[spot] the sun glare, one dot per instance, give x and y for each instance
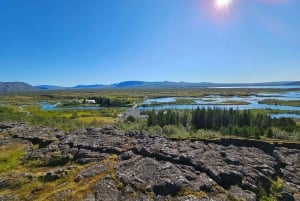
(222, 4)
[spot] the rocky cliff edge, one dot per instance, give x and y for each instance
(110, 164)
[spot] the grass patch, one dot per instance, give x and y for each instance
(138, 125)
(295, 103)
(10, 157)
(187, 192)
(68, 120)
(272, 193)
(63, 188)
(235, 102)
(70, 189)
(102, 120)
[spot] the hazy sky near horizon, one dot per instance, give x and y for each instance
(69, 42)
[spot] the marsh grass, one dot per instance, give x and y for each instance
(281, 102)
(66, 120)
(70, 120)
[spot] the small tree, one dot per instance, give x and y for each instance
(130, 118)
(270, 133)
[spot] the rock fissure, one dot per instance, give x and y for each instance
(153, 166)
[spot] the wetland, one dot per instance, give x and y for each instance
(58, 146)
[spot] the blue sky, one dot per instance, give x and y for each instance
(69, 42)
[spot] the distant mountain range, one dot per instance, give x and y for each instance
(294, 83)
(21, 86)
(15, 86)
(166, 84)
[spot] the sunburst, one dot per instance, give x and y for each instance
(222, 4)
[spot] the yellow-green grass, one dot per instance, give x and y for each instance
(187, 192)
(103, 120)
(35, 188)
(77, 190)
(66, 120)
(10, 156)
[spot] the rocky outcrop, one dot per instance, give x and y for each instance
(118, 165)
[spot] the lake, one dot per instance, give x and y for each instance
(210, 101)
(220, 102)
(261, 87)
(48, 107)
(285, 115)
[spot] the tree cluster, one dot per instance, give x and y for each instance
(110, 102)
(229, 122)
(168, 117)
(238, 121)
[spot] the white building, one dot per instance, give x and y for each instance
(90, 101)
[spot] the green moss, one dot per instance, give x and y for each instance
(272, 191)
(277, 187)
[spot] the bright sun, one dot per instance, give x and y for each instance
(222, 4)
